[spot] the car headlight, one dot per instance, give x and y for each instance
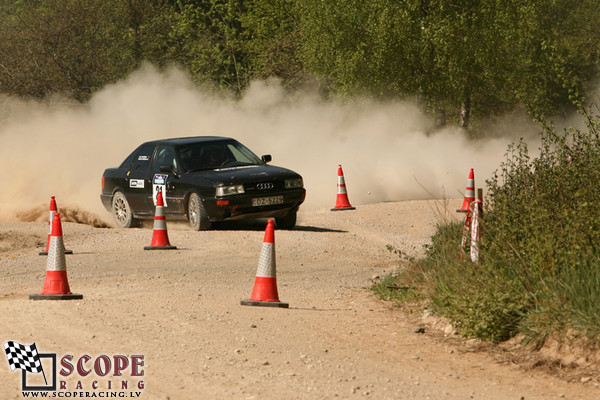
(294, 183)
(229, 190)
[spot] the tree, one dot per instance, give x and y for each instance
(71, 47)
(207, 38)
(554, 50)
(476, 57)
(272, 38)
(359, 46)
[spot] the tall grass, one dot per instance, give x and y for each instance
(539, 266)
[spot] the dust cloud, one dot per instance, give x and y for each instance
(388, 150)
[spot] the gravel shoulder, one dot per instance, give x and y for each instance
(181, 310)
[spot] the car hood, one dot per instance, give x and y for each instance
(246, 174)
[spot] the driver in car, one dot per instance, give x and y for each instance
(215, 157)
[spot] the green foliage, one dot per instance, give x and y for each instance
(70, 47)
(207, 38)
(272, 36)
(463, 61)
(539, 268)
(551, 247)
(480, 303)
(475, 58)
(360, 46)
(550, 51)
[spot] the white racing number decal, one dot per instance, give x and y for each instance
(136, 183)
(159, 184)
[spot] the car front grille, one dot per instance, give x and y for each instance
(263, 187)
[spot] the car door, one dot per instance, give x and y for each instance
(139, 177)
(166, 181)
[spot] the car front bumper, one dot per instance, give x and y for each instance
(241, 206)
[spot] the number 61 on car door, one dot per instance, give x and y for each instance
(159, 184)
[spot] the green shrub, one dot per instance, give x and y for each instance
(479, 302)
(539, 265)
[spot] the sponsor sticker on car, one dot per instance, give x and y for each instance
(267, 201)
(136, 183)
(159, 184)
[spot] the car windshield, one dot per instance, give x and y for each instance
(214, 155)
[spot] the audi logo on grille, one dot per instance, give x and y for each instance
(265, 186)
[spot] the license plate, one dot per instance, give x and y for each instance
(267, 201)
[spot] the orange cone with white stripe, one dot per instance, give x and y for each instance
(56, 284)
(53, 210)
(342, 202)
(264, 292)
(160, 237)
(469, 193)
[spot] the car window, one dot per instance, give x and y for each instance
(239, 156)
(243, 154)
(213, 155)
(165, 155)
(141, 162)
(127, 163)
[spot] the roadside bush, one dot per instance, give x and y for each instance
(539, 266)
(479, 302)
(543, 228)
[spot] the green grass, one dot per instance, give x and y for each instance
(394, 287)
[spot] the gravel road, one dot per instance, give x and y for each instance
(181, 310)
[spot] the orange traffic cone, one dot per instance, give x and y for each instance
(264, 292)
(53, 210)
(160, 237)
(342, 202)
(469, 193)
(56, 284)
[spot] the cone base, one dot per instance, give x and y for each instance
(160, 247)
(343, 208)
(70, 296)
(45, 253)
(278, 304)
(461, 210)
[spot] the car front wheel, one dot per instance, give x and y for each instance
(197, 214)
(122, 211)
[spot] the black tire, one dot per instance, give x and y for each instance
(121, 211)
(287, 222)
(197, 214)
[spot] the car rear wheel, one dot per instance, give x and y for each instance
(197, 214)
(287, 222)
(122, 211)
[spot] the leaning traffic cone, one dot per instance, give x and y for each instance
(264, 292)
(56, 284)
(342, 202)
(469, 193)
(160, 237)
(53, 210)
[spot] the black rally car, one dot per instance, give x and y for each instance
(203, 179)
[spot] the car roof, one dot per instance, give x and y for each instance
(187, 140)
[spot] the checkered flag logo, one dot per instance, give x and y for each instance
(23, 357)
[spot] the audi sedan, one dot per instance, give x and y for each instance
(203, 179)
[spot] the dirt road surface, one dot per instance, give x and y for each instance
(181, 310)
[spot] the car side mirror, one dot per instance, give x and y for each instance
(266, 158)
